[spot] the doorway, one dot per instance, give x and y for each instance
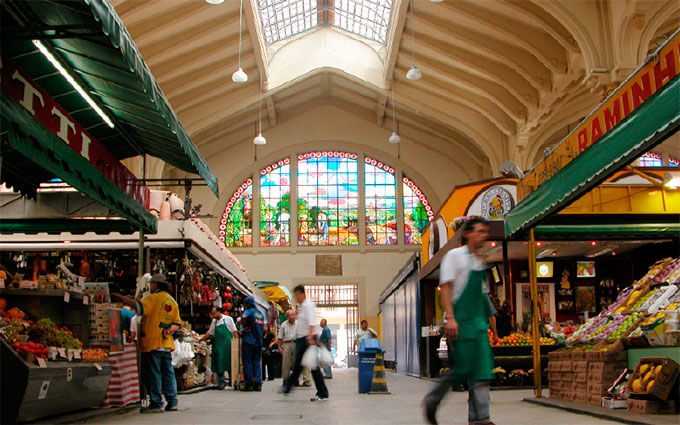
(339, 305)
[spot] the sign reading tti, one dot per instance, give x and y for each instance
(20, 87)
(646, 81)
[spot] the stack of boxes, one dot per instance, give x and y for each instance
(99, 324)
(602, 370)
(560, 375)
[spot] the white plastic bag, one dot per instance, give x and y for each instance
(310, 359)
(325, 357)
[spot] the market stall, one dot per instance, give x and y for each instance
(585, 158)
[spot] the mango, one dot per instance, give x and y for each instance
(657, 370)
(650, 384)
(637, 386)
(644, 368)
(649, 376)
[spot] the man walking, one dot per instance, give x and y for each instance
(222, 330)
(325, 340)
(253, 323)
(305, 338)
(468, 312)
(287, 344)
(160, 320)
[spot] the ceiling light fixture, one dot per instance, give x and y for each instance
(436, 1)
(394, 138)
(259, 139)
(547, 252)
(413, 73)
(239, 76)
(72, 81)
(672, 180)
(214, 1)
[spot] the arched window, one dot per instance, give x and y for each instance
(651, 159)
(275, 204)
(236, 226)
(328, 207)
(327, 187)
(381, 203)
(417, 212)
(673, 162)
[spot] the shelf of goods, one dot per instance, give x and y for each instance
(45, 370)
(191, 360)
(514, 352)
(594, 364)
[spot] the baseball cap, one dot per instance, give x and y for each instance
(250, 300)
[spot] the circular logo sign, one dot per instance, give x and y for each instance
(543, 270)
(496, 202)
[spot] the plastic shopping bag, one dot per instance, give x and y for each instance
(325, 357)
(310, 359)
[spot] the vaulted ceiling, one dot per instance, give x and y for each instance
(502, 80)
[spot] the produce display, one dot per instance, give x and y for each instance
(519, 339)
(38, 350)
(624, 326)
(94, 355)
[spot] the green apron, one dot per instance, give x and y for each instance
(473, 356)
(221, 350)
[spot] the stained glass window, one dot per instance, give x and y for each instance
(417, 212)
(381, 203)
(275, 204)
(236, 226)
(328, 198)
(672, 162)
(651, 159)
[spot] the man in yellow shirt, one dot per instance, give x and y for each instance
(160, 320)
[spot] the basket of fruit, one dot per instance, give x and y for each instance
(30, 350)
(653, 376)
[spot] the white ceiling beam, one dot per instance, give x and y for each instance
(399, 13)
(252, 19)
(271, 111)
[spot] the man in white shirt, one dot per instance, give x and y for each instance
(469, 315)
(222, 330)
(306, 336)
(363, 333)
(287, 343)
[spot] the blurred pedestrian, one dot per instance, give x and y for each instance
(161, 320)
(468, 312)
(222, 330)
(306, 336)
(251, 347)
(287, 344)
(325, 340)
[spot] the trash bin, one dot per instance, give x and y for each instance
(369, 348)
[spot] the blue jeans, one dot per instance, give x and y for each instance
(158, 374)
(478, 397)
(252, 364)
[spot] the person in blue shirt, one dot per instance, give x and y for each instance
(252, 322)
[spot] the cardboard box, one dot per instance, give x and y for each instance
(554, 376)
(597, 389)
(564, 385)
(603, 376)
(554, 394)
(606, 366)
(614, 403)
(553, 366)
(579, 377)
(594, 400)
(565, 376)
(579, 387)
(578, 356)
(567, 395)
(651, 407)
(663, 381)
(615, 353)
(579, 397)
(579, 366)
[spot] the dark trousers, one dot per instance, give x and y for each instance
(158, 375)
(267, 366)
(252, 369)
(321, 390)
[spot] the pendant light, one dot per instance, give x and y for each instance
(214, 1)
(413, 73)
(394, 138)
(239, 76)
(259, 139)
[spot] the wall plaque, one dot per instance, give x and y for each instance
(329, 265)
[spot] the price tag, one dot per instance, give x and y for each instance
(76, 354)
(67, 297)
(86, 300)
(96, 365)
(41, 362)
(62, 352)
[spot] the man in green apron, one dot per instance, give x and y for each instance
(222, 330)
(468, 311)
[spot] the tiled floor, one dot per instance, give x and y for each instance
(346, 406)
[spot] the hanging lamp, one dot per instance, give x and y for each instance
(413, 73)
(394, 138)
(214, 1)
(259, 139)
(239, 76)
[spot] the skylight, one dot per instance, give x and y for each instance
(285, 18)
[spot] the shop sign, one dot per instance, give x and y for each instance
(20, 87)
(496, 202)
(648, 79)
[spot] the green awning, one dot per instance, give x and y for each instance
(24, 138)
(90, 37)
(76, 226)
(607, 231)
(650, 124)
